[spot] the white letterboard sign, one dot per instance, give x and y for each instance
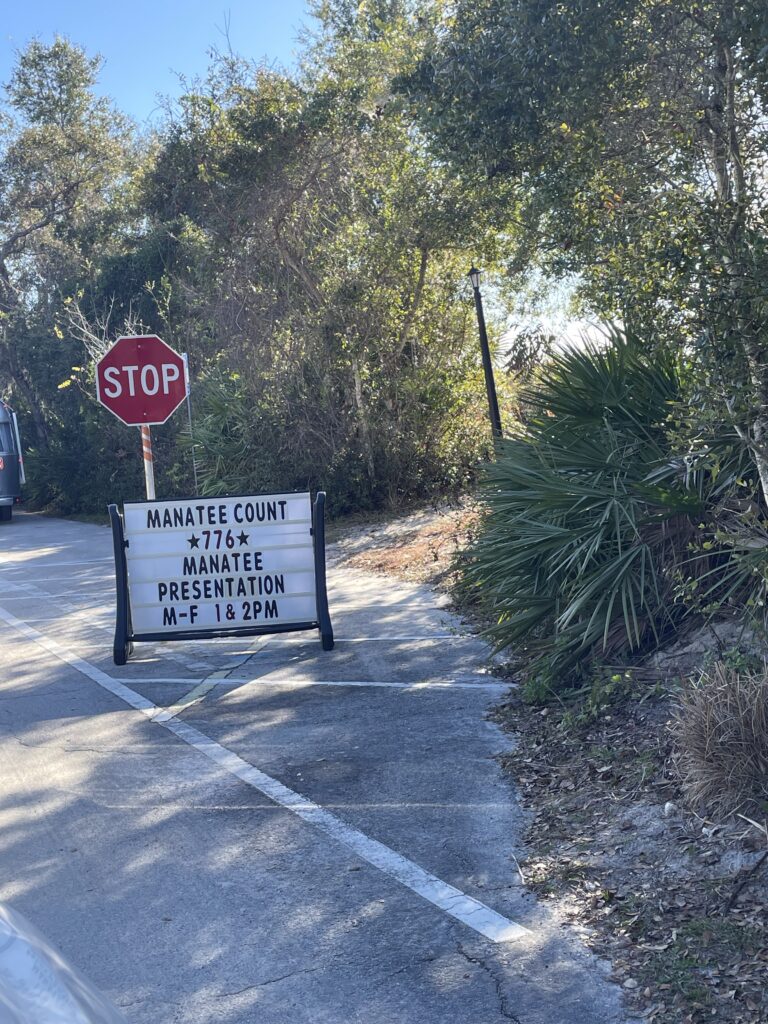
(220, 563)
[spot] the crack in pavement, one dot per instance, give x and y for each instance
(355, 965)
(267, 981)
(497, 983)
(410, 966)
(104, 751)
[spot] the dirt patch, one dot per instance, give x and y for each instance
(418, 548)
(675, 902)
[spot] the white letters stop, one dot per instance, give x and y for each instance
(150, 379)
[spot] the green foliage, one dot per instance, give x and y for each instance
(92, 459)
(314, 273)
(303, 237)
(728, 565)
(301, 438)
(632, 137)
(582, 542)
(64, 155)
(289, 232)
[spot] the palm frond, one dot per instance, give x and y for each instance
(583, 532)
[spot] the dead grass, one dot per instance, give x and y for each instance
(418, 548)
(721, 730)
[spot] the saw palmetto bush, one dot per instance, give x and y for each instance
(589, 519)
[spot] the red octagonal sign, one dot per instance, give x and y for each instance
(141, 380)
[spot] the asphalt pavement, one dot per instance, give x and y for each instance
(259, 832)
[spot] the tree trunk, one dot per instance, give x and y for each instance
(9, 360)
(365, 431)
(414, 303)
(731, 180)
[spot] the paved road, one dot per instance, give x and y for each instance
(301, 838)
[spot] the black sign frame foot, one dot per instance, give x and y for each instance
(321, 587)
(122, 647)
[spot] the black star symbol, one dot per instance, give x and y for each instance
(243, 538)
(193, 541)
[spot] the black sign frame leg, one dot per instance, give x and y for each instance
(122, 648)
(321, 588)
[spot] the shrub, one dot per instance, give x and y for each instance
(721, 730)
(250, 436)
(588, 522)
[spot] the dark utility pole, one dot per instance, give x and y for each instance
(490, 383)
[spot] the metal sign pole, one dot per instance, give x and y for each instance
(149, 469)
(185, 357)
(490, 383)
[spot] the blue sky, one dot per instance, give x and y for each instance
(147, 45)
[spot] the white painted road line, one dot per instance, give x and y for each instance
(450, 900)
(79, 611)
(193, 697)
(299, 683)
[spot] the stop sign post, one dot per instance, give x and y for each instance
(142, 381)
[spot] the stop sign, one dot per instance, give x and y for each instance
(141, 380)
